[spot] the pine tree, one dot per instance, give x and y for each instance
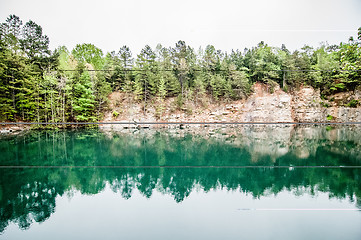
(83, 97)
(33, 42)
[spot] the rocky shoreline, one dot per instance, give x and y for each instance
(13, 129)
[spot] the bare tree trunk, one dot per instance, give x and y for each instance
(98, 111)
(38, 105)
(65, 151)
(64, 107)
(182, 87)
(53, 147)
(71, 111)
(51, 106)
(284, 80)
(13, 90)
(46, 110)
(181, 82)
(145, 94)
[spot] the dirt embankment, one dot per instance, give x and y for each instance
(302, 105)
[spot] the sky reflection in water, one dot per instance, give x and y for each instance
(178, 203)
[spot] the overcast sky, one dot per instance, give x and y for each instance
(226, 24)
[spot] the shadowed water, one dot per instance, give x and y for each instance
(253, 182)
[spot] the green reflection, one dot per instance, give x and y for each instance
(244, 146)
(28, 194)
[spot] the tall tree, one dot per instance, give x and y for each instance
(89, 53)
(126, 64)
(11, 33)
(164, 59)
(182, 56)
(349, 57)
(33, 42)
(263, 63)
(144, 79)
(83, 97)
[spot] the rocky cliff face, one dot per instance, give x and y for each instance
(309, 107)
(304, 105)
(263, 105)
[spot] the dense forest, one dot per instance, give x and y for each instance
(64, 85)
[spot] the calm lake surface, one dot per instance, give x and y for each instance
(246, 182)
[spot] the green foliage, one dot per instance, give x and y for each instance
(83, 102)
(179, 102)
(353, 103)
(115, 114)
(36, 84)
(324, 104)
(329, 128)
(329, 118)
(33, 42)
(338, 87)
(218, 85)
(88, 53)
(349, 57)
(238, 82)
(264, 63)
(29, 194)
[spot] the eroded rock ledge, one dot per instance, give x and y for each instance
(263, 105)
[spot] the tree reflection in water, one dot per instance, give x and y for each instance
(28, 194)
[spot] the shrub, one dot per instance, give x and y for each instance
(115, 114)
(324, 104)
(353, 103)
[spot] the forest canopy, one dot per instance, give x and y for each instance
(64, 85)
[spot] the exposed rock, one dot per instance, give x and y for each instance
(306, 106)
(263, 106)
(303, 105)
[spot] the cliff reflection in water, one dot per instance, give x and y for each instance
(28, 194)
(242, 146)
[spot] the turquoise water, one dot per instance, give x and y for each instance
(258, 182)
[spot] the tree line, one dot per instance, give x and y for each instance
(64, 85)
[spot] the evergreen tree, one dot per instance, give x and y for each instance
(11, 33)
(83, 97)
(263, 63)
(349, 57)
(145, 82)
(182, 56)
(39, 85)
(166, 72)
(33, 42)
